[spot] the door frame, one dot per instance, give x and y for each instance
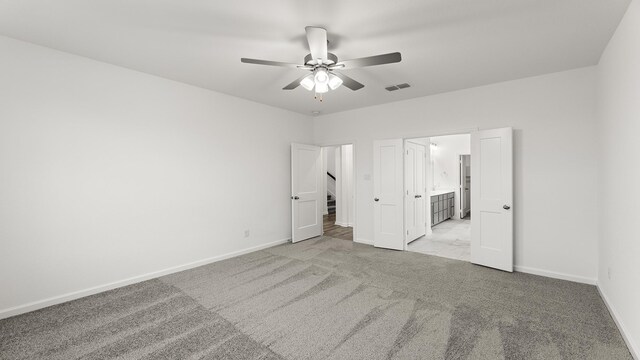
(431, 134)
(355, 180)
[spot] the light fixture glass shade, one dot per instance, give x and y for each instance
(322, 88)
(308, 82)
(321, 77)
(334, 82)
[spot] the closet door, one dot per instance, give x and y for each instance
(415, 191)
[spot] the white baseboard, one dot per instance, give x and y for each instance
(21, 309)
(340, 223)
(555, 275)
(364, 241)
(634, 349)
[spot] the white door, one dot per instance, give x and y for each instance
(388, 191)
(465, 185)
(415, 190)
(492, 198)
(306, 192)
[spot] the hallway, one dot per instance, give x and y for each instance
(335, 231)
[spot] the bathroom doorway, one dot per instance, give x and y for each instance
(487, 238)
(447, 209)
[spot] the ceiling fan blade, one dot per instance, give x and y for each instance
(317, 38)
(268, 62)
(295, 83)
(349, 82)
(372, 60)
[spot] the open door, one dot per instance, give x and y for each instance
(465, 185)
(388, 194)
(415, 190)
(306, 192)
(492, 198)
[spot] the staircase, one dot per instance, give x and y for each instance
(331, 204)
(331, 189)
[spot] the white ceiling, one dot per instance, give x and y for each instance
(446, 44)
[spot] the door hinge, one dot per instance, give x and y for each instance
(407, 232)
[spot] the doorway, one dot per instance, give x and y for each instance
(338, 184)
(448, 232)
(323, 192)
(491, 240)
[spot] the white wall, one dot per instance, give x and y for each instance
(619, 114)
(446, 163)
(108, 174)
(555, 204)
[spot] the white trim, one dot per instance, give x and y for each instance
(35, 305)
(633, 348)
(343, 224)
(364, 241)
(555, 275)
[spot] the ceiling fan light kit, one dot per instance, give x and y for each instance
(308, 82)
(323, 64)
(334, 82)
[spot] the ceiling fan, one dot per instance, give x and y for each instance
(322, 65)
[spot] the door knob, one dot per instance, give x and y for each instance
(418, 196)
(506, 207)
(376, 199)
(295, 198)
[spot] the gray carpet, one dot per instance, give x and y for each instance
(325, 299)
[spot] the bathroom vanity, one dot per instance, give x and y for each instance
(442, 206)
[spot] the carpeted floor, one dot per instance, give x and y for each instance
(326, 299)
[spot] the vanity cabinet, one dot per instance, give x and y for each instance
(442, 207)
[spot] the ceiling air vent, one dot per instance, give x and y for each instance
(397, 87)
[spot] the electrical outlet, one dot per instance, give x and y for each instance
(247, 233)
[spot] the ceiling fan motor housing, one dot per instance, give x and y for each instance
(331, 59)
